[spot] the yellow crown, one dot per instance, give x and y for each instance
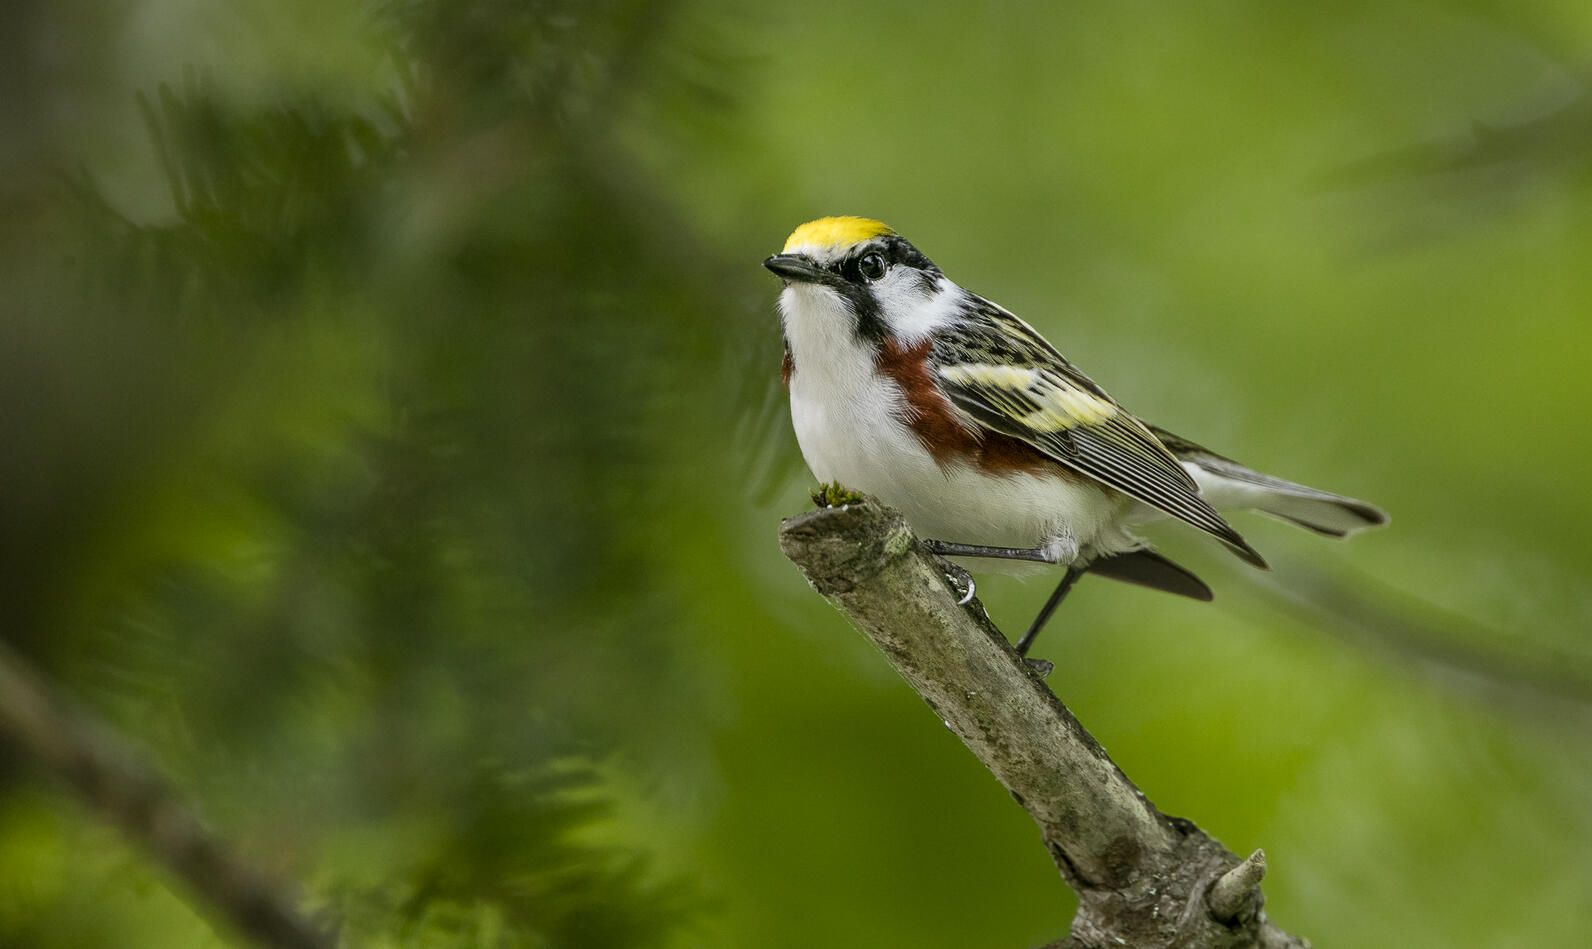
(835, 232)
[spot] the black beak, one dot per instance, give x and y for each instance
(796, 269)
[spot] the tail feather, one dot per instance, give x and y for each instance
(1228, 484)
(1329, 514)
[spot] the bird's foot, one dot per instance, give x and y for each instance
(960, 579)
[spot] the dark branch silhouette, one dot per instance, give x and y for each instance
(123, 790)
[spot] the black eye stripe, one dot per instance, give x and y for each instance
(895, 251)
(858, 290)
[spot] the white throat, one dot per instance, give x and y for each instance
(840, 406)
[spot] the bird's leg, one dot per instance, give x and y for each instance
(1060, 593)
(947, 549)
(1047, 554)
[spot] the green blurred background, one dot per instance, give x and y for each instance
(392, 452)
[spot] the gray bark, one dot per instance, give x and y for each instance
(1142, 878)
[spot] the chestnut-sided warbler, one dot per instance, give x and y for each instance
(997, 449)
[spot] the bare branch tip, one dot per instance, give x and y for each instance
(1229, 894)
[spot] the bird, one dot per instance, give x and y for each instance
(998, 451)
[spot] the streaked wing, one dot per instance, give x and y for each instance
(1000, 371)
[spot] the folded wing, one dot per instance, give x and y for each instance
(1001, 372)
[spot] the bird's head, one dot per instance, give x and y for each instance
(858, 274)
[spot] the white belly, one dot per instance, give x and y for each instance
(855, 435)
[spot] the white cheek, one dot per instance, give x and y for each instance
(914, 311)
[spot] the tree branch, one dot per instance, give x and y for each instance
(112, 780)
(1142, 878)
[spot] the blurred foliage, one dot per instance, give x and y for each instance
(394, 452)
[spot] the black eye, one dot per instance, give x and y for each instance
(871, 266)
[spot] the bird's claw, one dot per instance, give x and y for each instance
(959, 576)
